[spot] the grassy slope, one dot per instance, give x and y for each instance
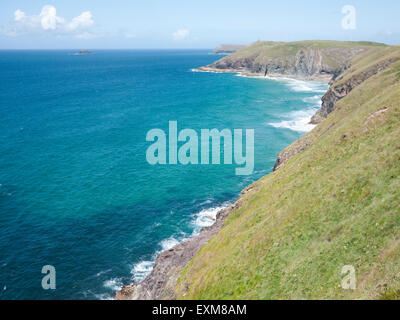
(263, 51)
(335, 204)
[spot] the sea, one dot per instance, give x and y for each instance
(76, 190)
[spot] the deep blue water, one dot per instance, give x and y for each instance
(76, 191)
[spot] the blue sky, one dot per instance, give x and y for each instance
(57, 24)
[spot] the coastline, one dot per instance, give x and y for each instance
(246, 73)
(160, 282)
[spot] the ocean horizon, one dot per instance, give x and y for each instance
(76, 191)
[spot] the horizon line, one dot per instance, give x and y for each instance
(59, 49)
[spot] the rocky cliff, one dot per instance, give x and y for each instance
(305, 60)
(340, 88)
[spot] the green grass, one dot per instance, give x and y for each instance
(335, 204)
(391, 295)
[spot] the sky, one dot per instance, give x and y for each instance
(153, 24)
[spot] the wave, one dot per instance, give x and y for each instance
(203, 218)
(205, 71)
(313, 100)
(139, 271)
(114, 284)
(294, 84)
(168, 243)
(98, 274)
(299, 121)
(249, 76)
(301, 85)
(142, 269)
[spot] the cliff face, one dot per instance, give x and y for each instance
(306, 63)
(341, 88)
(307, 59)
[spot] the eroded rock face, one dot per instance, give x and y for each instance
(339, 91)
(306, 63)
(303, 64)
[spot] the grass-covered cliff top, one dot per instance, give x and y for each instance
(334, 53)
(362, 62)
(271, 49)
(337, 203)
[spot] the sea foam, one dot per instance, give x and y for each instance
(114, 284)
(141, 270)
(299, 121)
(201, 219)
(206, 218)
(301, 85)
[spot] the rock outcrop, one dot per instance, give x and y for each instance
(339, 89)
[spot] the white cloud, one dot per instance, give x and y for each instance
(48, 18)
(82, 21)
(180, 34)
(48, 22)
(19, 15)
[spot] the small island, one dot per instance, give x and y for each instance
(83, 52)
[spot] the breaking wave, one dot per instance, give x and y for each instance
(203, 218)
(300, 121)
(301, 85)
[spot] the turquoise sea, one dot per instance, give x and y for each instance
(76, 191)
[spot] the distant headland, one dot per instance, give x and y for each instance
(228, 48)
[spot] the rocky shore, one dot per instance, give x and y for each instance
(160, 283)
